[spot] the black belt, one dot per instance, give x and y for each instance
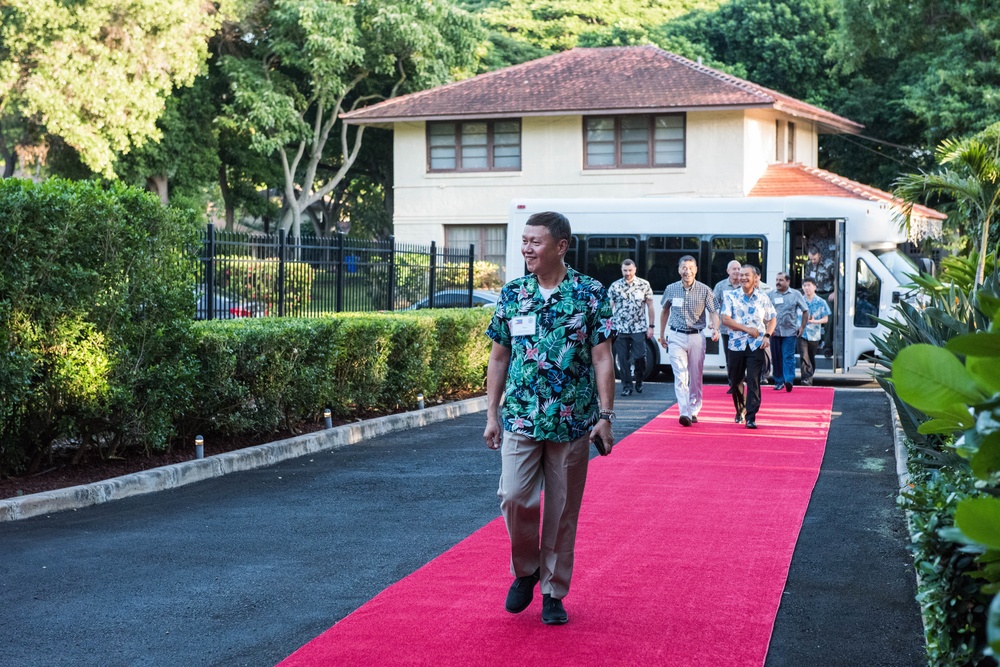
(685, 331)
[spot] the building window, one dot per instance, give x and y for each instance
(474, 146)
(790, 151)
(634, 141)
(490, 242)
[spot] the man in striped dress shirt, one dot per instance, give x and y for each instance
(685, 308)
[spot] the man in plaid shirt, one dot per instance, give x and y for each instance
(683, 318)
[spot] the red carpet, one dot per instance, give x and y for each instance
(683, 550)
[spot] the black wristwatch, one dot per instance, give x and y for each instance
(609, 415)
(767, 335)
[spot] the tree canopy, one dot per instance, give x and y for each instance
(308, 61)
(97, 73)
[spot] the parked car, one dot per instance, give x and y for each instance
(458, 298)
(227, 306)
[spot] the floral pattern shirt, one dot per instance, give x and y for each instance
(629, 303)
(753, 311)
(551, 390)
(818, 309)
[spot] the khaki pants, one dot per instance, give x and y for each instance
(526, 463)
(687, 361)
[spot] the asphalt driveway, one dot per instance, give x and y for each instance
(244, 569)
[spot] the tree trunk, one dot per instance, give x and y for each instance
(158, 183)
(9, 158)
(227, 198)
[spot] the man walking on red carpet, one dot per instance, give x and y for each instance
(751, 318)
(551, 361)
(683, 318)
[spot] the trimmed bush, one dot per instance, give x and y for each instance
(94, 305)
(259, 375)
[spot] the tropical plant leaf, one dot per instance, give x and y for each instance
(979, 520)
(933, 380)
(940, 427)
(986, 371)
(993, 625)
(986, 460)
(976, 345)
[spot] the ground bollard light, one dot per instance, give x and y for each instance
(199, 447)
(328, 416)
(420, 401)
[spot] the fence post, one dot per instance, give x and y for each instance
(339, 303)
(210, 272)
(433, 277)
(472, 275)
(392, 274)
(282, 245)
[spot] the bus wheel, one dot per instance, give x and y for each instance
(652, 360)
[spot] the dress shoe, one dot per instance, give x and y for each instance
(739, 417)
(694, 420)
(751, 424)
(638, 387)
(627, 391)
(520, 593)
(685, 420)
(788, 386)
(553, 612)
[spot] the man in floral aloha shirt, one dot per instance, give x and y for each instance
(551, 361)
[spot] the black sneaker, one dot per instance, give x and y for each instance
(627, 391)
(553, 612)
(638, 387)
(520, 593)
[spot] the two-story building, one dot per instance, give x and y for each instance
(595, 122)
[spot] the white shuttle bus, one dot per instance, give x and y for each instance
(771, 233)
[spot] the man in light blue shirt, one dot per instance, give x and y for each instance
(751, 319)
(792, 317)
(819, 314)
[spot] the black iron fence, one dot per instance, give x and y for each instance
(256, 275)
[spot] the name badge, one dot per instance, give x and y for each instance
(780, 300)
(677, 302)
(523, 325)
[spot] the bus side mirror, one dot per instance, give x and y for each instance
(896, 297)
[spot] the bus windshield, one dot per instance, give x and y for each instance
(901, 266)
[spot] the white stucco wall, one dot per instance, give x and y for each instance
(726, 153)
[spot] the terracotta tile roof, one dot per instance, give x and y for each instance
(635, 79)
(788, 180)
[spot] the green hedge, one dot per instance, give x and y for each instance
(260, 375)
(94, 310)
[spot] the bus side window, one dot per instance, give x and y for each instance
(743, 249)
(663, 253)
(867, 294)
(605, 255)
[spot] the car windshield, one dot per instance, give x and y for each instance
(901, 266)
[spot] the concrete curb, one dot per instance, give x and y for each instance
(898, 440)
(189, 472)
